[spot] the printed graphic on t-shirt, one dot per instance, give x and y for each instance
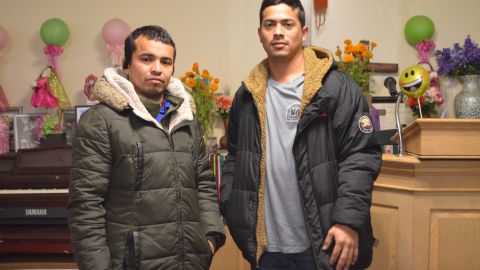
(293, 112)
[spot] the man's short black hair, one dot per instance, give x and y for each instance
(151, 32)
(294, 4)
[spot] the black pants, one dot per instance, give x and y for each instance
(282, 261)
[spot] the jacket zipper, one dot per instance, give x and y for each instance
(299, 131)
(139, 165)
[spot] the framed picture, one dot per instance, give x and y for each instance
(7, 117)
(24, 131)
(79, 110)
(69, 124)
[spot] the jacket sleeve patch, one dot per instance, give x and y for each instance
(365, 124)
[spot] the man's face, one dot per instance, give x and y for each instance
(151, 67)
(281, 33)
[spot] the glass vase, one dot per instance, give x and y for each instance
(467, 102)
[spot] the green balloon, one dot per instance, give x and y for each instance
(418, 29)
(54, 31)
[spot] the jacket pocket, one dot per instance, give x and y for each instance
(132, 252)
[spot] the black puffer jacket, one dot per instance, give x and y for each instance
(141, 196)
(335, 155)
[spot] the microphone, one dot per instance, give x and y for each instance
(390, 83)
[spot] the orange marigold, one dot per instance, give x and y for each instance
(347, 42)
(189, 74)
(214, 87)
(348, 58)
(190, 83)
(205, 74)
(195, 67)
(216, 80)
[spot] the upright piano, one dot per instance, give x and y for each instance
(33, 201)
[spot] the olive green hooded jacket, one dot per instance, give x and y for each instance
(142, 194)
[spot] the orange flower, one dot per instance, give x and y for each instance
(216, 80)
(348, 58)
(373, 44)
(205, 74)
(347, 42)
(183, 79)
(367, 54)
(214, 87)
(195, 67)
(189, 74)
(190, 83)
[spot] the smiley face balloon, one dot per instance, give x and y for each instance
(414, 81)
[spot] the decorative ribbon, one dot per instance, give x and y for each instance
(57, 90)
(423, 48)
(115, 52)
(53, 52)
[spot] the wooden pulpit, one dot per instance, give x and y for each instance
(426, 204)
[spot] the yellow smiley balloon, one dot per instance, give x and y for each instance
(414, 81)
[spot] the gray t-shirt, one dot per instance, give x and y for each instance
(284, 215)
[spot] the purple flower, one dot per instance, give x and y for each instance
(459, 60)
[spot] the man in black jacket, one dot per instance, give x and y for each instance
(297, 182)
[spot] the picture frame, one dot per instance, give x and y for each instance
(7, 116)
(69, 123)
(79, 110)
(24, 131)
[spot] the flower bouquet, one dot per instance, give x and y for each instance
(459, 61)
(202, 87)
(354, 60)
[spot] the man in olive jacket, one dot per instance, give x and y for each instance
(297, 181)
(142, 194)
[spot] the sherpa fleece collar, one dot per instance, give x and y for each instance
(116, 91)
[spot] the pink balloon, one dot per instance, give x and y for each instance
(115, 31)
(3, 38)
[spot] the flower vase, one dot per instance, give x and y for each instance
(223, 139)
(451, 86)
(467, 102)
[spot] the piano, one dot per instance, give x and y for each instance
(33, 201)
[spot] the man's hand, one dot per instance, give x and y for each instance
(212, 247)
(345, 252)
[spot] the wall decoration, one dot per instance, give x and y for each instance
(114, 33)
(54, 33)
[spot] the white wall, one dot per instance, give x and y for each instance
(219, 34)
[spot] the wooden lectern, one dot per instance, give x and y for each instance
(426, 204)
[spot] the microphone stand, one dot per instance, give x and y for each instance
(399, 126)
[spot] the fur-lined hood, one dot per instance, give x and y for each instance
(116, 91)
